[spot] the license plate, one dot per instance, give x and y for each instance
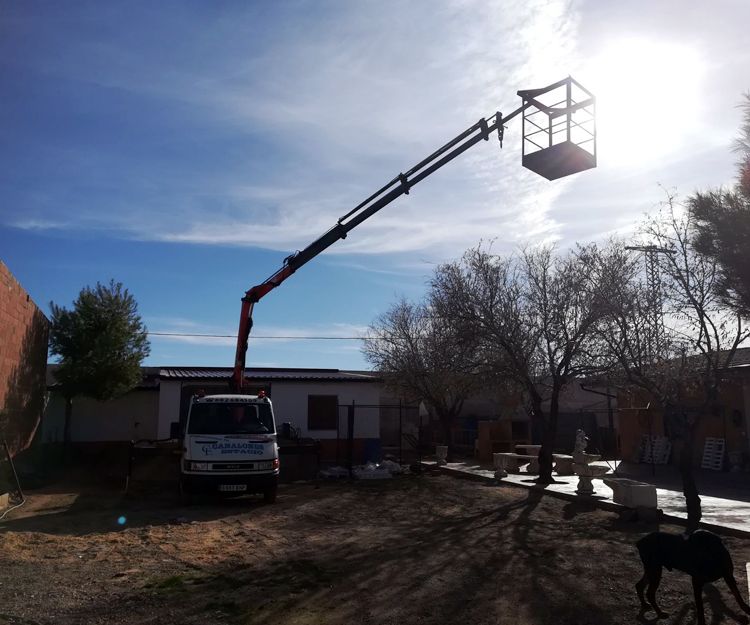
(232, 488)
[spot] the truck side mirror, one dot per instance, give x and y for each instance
(174, 429)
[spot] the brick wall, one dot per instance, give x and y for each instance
(23, 360)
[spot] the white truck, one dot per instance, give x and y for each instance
(229, 447)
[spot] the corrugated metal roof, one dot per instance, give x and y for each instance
(741, 357)
(151, 375)
(221, 373)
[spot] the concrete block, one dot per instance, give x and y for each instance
(563, 464)
(441, 453)
(631, 493)
(511, 462)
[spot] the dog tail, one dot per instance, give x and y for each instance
(732, 583)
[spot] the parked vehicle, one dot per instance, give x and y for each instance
(229, 447)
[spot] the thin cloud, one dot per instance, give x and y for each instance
(39, 224)
(346, 105)
(343, 97)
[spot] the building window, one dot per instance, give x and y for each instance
(322, 412)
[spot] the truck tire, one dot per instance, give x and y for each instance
(186, 497)
(269, 495)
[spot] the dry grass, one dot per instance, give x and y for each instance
(424, 550)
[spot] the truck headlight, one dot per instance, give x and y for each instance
(199, 466)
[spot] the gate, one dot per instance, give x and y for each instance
(372, 432)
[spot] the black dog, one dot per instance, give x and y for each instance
(701, 555)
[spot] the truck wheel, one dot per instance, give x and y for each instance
(186, 497)
(269, 495)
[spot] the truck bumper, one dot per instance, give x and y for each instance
(203, 483)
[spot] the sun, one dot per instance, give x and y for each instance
(648, 99)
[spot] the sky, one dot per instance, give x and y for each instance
(186, 148)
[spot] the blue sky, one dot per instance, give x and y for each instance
(186, 148)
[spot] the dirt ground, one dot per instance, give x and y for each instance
(428, 550)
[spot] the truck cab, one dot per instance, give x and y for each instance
(229, 447)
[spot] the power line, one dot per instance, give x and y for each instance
(254, 336)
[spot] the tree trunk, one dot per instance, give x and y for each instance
(548, 441)
(689, 487)
(66, 429)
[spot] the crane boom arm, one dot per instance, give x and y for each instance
(400, 185)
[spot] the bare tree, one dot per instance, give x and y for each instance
(423, 358)
(534, 315)
(696, 339)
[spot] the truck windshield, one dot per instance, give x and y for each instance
(230, 418)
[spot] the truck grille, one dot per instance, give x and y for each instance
(240, 466)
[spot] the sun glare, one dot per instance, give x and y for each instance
(648, 99)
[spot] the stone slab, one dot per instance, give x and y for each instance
(718, 513)
(632, 493)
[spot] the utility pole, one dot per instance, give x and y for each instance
(654, 338)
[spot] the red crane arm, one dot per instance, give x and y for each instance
(400, 185)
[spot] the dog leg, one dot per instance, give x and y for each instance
(698, 593)
(654, 578)
(640, 586)
(729, 579)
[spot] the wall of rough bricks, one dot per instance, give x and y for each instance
(24, 332)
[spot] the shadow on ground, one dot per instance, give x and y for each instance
(81, 510)
(428, 550)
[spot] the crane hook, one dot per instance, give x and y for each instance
(500, 127)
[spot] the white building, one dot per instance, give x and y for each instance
(314, 401)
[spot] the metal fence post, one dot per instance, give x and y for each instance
(400, 432)
(338, 435)
(350, 437)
